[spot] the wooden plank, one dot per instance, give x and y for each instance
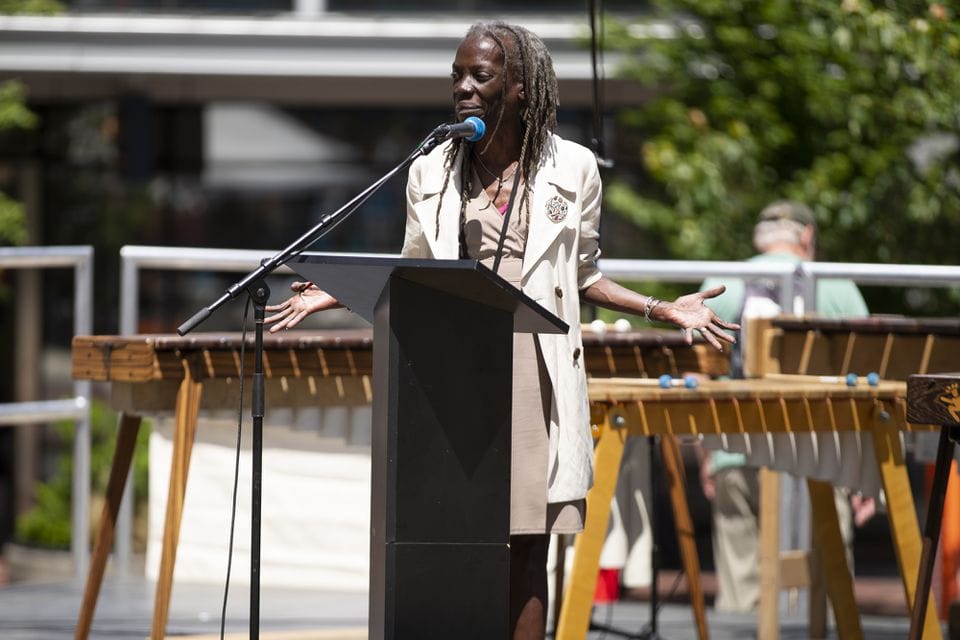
(768, 627)
(578, 596)
(119, 470)
(188, 407)
(902, 513)
(794, 569)
(686, 538)
(832, 557)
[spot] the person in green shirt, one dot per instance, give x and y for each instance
(785, 232)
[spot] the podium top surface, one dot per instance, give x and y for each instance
(358, 281)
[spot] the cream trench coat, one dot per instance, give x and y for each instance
(560, 260)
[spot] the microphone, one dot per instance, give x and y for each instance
(472, 129)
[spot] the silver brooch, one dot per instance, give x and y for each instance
(556, 209)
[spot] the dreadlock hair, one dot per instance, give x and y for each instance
(532, 66)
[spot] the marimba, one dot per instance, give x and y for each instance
(892, 347)
(156, 372)
(153, 373)
(804, 405)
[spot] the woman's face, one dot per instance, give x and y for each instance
(478, 82)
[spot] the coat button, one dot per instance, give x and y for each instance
(559, 292)
(576, 354)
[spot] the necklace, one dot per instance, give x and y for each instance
(500, 178)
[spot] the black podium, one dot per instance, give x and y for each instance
(442, 380)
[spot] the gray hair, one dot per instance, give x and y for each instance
(767, 233)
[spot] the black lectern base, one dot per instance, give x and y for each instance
(440, 450)
(449, 591)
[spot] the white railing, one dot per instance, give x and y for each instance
(134, 259)
(698, 270)
(806, 273)
(80, 259)
(898, 275)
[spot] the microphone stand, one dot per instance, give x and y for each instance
(255, 285)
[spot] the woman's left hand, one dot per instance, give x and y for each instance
(306, 299)
(691, 314)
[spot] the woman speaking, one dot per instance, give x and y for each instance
(526, 203)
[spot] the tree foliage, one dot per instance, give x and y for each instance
(30, 7)
(14, 114)
(850, 106)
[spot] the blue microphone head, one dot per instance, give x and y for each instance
(480, 127)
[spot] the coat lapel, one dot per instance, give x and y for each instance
(445, 245)
(549, 183)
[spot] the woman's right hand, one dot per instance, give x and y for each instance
(307, 299)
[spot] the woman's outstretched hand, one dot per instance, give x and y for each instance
(307, 299)
(691, 314)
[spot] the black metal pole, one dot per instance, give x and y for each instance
(654, 547)
(259, 293)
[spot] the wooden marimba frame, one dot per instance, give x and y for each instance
(625, 407)
(151, 373)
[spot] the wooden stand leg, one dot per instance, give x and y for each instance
(902, 514)
(119, 470)
(673, 465)
(950, 540)
(185, 426)
(768, 624)
(833, 559)
(818, 596)
(578, 596)
(931, 531)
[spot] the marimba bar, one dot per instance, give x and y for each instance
(893, 347)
